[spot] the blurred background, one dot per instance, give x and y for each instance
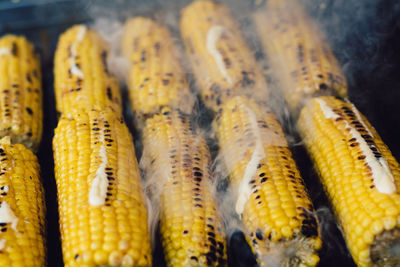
(365, 36)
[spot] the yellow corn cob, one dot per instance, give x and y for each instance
(22, 208)
(271, 198)
(156, 77)
(103, 217)
(177, 161)
(299, 55)
(220, 59)
(21, 92)
(82, 80)
(360, 176)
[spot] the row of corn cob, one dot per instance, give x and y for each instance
(357, 170)
(176, 159)
(270, 198)
(22, 208)
(103, 216)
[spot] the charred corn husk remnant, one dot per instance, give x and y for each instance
(22, 208)
(222, 63)
(156, 77)
(300, 58)
(103, 217)
(360, 176)
(176, 161)
(278, 217)
(82, 79)
(21, 92)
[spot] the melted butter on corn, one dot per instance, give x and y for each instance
(251, 168)
(381, 174)
(8, 216)
(213, 35)
(98, 191)
(2, 244)
(73, 66)
(5, 51)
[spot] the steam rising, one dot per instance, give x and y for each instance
(350, 27)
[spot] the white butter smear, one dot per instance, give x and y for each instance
(2, 244)
(79, 37)
(7, 215)
(98, 191)
(5, 51)
(213, 35)
(381, 174)
(244, 191)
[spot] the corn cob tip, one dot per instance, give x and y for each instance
(385, 250)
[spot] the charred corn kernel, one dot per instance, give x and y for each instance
(81, 77)
(22, 208)
(365, 198)
(21, 92)
(300, 58)
(222, 63)
(270, 193)
(156, 76)
(101, 203)
(177, 161)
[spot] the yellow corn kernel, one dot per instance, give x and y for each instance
(81, 77)
(177, 161)
(22, 208)
(103, 217)
(221, 61)
(21, 92)
(271, 198)
(156, 76)
(300, 58)
(360, 176)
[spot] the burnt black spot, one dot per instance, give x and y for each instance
(262, 174)
(76, 256)
(4, 229)
(198, 174)
(185, 232)
(211, 234)
(165, 81)
(259, 234)
(109, 93)
(194, 258)
(309, 227)
(28, 78)
(29, 110)
(14, 49)
(323, 86)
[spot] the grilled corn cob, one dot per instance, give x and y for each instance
(21, 92)
(177, 161)
(298, 53)
(271, 198)
(82, 79)
(22, 209)
(103, 217)
(220, 59)
(156, 77)
(360, 176)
